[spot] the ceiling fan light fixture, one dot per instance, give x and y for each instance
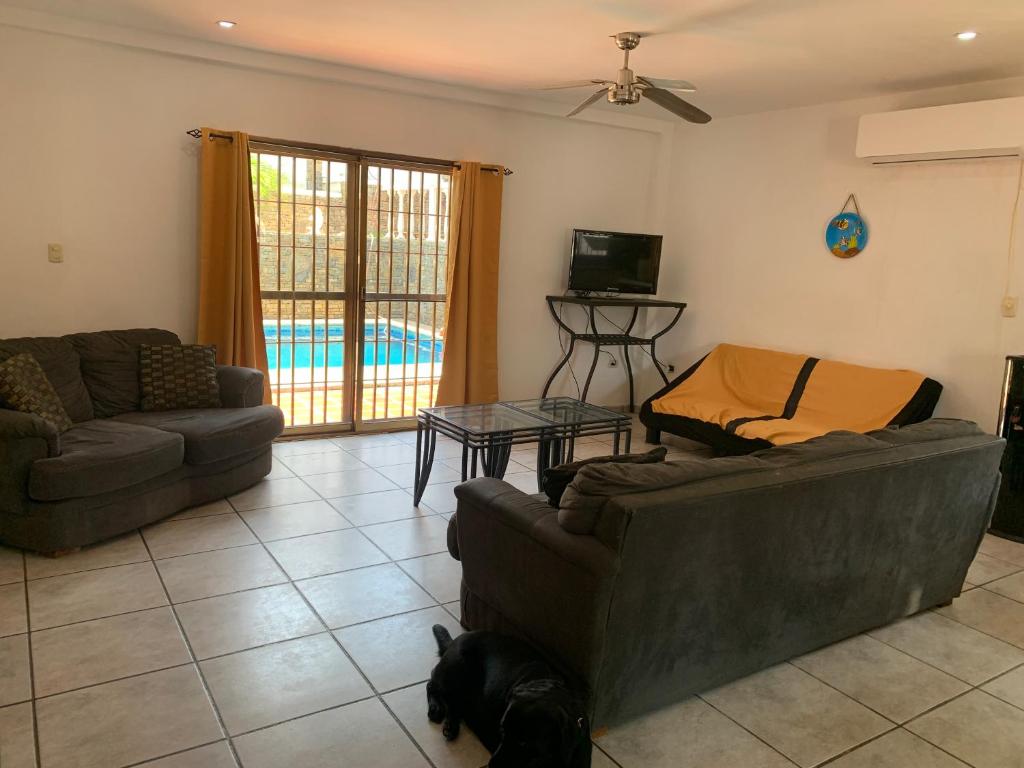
(225, 24)
(967, 35)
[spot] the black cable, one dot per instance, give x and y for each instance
(643, 349)
(561, 343)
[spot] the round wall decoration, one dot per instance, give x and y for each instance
(847, 233)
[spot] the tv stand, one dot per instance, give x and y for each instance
(624, 338)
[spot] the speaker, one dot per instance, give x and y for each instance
(1008, 520)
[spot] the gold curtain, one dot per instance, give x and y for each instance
(470, 370)
(230, 310)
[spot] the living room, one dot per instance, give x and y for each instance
(286, 617)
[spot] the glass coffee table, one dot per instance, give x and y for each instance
(488, 431)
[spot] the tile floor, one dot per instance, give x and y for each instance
(289, 625)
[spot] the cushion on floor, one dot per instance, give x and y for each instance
(101, 456)
(213, 434)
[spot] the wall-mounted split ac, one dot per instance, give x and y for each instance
(993, 128)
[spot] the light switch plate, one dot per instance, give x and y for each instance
(1008, 306)
(55, 252)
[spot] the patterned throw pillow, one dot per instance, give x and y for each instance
(24, 387)
(175, 376)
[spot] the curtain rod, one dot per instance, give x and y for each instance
(197, 133)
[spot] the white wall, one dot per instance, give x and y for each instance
(751, 198)
(94, 156)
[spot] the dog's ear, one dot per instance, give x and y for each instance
(443, 638)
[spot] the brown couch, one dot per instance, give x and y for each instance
(119, 468)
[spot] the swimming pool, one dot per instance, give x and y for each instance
(407, 345)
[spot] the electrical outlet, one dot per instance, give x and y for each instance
(1008, 306)
(55, 253)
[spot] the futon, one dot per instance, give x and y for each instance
(742, 399)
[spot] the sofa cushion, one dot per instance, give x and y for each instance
(24, 387)
(176, 376)
(212, 434)
(595, 484)
(101, 456)
(110, 366)
(62, 367)
(925, 431)
(828, 446)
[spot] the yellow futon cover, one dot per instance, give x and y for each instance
(745, 390)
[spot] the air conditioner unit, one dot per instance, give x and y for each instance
(993, 128)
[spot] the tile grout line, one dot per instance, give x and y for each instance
(842, 693)
(243, 546)
(928, 663)
(195, 663)
(976, 629)
(744, 728)
(150, 760)
(31, 663)
(390, 560)
(338, 643)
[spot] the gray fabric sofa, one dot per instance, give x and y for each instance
(655, 582)
(118, 468)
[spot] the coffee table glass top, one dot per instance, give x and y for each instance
(523, 415)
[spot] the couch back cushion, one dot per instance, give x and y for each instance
(62, 366)
(586, 500)
(926, 431)
(110, 366)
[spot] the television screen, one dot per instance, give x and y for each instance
(614, 261)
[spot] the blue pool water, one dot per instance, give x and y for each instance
(405, 345)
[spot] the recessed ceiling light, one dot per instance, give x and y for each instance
(968, 34)
(225, 24)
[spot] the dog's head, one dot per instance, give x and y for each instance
(543, 727)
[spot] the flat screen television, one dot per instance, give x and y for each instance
(619, 262)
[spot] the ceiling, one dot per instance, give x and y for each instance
(744, 55)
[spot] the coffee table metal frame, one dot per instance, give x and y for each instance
(490, 449)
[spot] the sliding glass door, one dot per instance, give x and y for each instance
(352, 275)
(404, 279)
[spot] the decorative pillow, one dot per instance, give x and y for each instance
(24, 387)
(178, 376)
(556, 479)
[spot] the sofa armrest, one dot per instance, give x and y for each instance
(552, 586)
(24, 438)
(240, 387)
(15, 425)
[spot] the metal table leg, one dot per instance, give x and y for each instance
(426, 440)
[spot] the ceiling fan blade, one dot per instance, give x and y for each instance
(573, 84)
(590, 100)
(676, 106)
(668, 85)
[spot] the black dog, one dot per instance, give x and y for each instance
(523, 712)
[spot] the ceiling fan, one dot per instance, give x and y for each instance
(627, 87)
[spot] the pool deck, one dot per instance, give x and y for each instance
(397, 400)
